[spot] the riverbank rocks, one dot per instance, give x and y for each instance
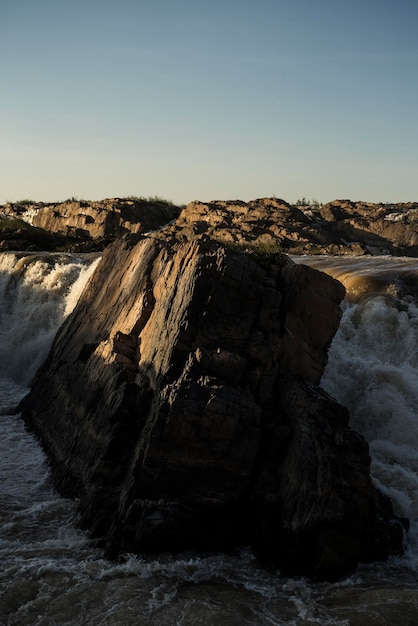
(180, 404)
(338, 227)
(90, 225)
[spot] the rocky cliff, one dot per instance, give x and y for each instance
(180, 404)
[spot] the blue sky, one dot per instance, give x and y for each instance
(224, 99)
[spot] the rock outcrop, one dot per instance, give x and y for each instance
(102, 221)
(339, 227)
(180, 404)
(377, 228)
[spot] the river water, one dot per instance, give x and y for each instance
(52, 574)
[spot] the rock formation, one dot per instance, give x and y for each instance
(180, 404)
(82, 221)
(377, 228)
(339, 227)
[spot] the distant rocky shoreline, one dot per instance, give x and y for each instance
(338, 227)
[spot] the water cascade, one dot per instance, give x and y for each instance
(53, 574)
(37, 292)
(373, 370)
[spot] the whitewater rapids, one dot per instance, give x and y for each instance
(53, 574)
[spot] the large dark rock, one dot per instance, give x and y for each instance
(180, 403)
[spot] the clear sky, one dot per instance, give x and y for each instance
(209, 99)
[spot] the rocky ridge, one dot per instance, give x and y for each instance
(338, 227)
(180, 403)
(83, 225)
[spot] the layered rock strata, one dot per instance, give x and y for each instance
(180, 404)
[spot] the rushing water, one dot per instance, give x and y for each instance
(52, 574)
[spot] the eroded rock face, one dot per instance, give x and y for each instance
(339, 227)
(89, 219)
(179, 402)
(378, 228)
(265, 222)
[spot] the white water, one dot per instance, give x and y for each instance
(373, 370)
(37, 292)
(51, 574)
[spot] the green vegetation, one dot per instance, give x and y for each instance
(308, 248)
(15, 231)
(158, 200)
(151, 199)
(306, 202)
(24, 202)
(264, 253)
(11, 224)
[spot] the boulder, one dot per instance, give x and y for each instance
(180, 404)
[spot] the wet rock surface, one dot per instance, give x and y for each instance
(180, 404)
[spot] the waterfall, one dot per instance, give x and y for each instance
(373, 371)
(37, 292)
(53, 574)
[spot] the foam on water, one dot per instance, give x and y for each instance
(52, 574)
(37, 292)
(372, 369)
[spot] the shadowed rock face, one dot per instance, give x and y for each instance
(180, 403)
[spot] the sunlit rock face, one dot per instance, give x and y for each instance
(378, 228)
(338, 227)
(180, 403)
(96, 219)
